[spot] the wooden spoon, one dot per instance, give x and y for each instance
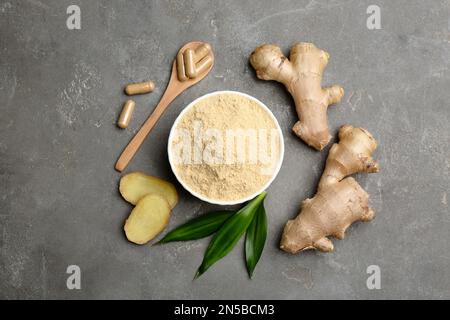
(174, 88)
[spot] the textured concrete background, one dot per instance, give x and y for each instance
(61, 92)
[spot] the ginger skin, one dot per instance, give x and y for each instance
(301, 74)
(339, 201)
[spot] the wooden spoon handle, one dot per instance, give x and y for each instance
(133, 146)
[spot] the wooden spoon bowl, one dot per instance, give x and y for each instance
(174, 88)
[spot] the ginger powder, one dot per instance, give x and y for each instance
(226, 147)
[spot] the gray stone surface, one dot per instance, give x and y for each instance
(61, 92)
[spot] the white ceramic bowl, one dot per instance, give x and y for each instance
(215, 201)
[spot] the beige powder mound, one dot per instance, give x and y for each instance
(227, 177)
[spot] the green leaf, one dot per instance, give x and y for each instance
(229, 234)
(255, 239)
(199, 227)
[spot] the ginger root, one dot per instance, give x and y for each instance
(339, 201)
(302, 77)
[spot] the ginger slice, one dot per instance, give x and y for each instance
(135, 185)
(150, 216)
